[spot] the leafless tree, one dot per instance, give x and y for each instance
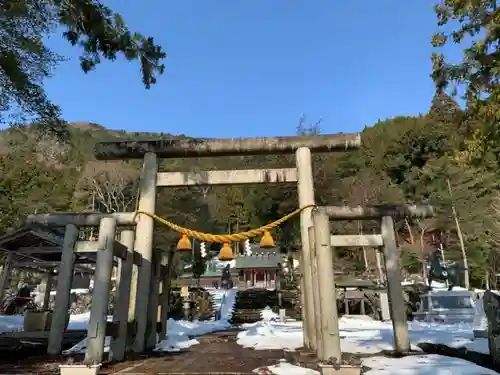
(423, 226)
(49, 148)
(460, 238)
(109, 186)
(46, 147)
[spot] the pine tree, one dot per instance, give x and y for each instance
(444, 109)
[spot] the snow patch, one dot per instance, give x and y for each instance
(424, 365)
(285, 368)
(431, 364)
(412, 365)
(360, 335)
(180, 333)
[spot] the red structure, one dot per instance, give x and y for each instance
(258, 269)
(257, 277)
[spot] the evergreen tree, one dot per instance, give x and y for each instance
(444, 109)
(25, 60)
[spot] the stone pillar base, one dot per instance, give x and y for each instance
(79, 369)
(339, 370)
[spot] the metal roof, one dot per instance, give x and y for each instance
(448, 293)
(355, 283)
(269, 260)
(205, 274)
(39, 239)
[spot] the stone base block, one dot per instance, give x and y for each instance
(339, 370)
(79, 369)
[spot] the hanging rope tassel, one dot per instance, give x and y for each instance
(225, 238)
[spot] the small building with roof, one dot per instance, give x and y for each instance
(258, 267)
(38, 250)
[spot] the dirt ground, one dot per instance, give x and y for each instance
(216, 353)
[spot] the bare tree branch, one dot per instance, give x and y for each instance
(111, 186)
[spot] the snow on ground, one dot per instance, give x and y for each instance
(11, 323)
(362, 334)
(434, 285)
(228, 301)
(218, 295)
(224, 298)
(284, 368)
(431, 364)
(359, 334)
(179, 333)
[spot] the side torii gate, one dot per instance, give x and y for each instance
(325, 337)
(150, 150)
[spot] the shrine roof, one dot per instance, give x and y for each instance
(211, 273)
(354, 283)
(30, 236)
(37, 248)
(269, 260)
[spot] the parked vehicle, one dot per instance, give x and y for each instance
(446, 307)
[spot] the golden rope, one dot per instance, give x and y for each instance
(224, 238)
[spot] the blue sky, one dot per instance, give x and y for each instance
(251, 68)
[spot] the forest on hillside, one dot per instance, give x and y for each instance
(433, 158)
(448, 157)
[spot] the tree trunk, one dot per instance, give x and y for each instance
(365, 258)
(442, 251)
(422, 251)
(410, 232)
(460, 238)
(412, 242)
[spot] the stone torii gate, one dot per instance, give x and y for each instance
(325, 337)
(150, 150)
